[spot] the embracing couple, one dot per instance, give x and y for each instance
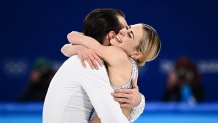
(106, 91)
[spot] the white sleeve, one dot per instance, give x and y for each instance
(138, 110)
(99, 92)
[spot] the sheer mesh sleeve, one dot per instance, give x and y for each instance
(138, 110)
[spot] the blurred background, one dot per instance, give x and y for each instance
(183, 79)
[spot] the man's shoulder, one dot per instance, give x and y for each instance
(75, 62)
(72, 60)
(71, 63)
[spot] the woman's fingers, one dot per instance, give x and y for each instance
(93, 60)
(82, 60)
(98, 59)
(91, 57)
(90, 63)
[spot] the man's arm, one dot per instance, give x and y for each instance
(99, 91)
(131, 98)
(138, 110)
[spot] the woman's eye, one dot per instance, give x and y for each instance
(129, 35)
(126, 27)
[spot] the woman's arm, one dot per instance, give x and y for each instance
(70, 50)
(80, 39)
(105, 52)
(83, 53)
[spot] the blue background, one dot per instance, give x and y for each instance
(30, 29)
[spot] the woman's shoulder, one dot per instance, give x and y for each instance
(119, 55)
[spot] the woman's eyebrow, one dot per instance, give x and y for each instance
(131, 31)
(132, 34)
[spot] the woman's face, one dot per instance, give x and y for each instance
(129, 38)
(123, 23)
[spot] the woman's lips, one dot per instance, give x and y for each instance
(118, 38)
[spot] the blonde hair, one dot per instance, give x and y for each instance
(149, 45)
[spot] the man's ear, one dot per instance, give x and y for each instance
(111, 35)
(137, 55)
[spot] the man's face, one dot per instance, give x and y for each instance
(123, 23)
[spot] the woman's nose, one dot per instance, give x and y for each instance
(122, 32)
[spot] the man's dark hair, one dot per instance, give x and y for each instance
(99, 22)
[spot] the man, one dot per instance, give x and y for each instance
(74, 89)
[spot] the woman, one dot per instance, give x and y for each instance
(132, 46)
(97, 24)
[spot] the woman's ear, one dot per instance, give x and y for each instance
(111, 35)
(137, 55)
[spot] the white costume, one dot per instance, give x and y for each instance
(74, 91)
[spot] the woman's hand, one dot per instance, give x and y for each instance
(84, 54)
(69, 50)
(128, 97)
(90, 56)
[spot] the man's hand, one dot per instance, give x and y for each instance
(128, 97)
